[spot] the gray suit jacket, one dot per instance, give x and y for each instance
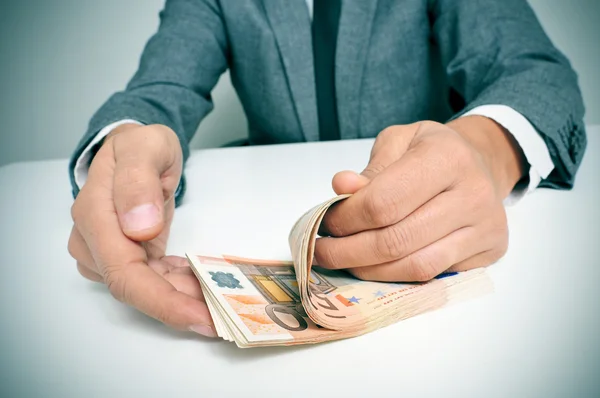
(397, 62)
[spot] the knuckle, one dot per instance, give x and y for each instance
(76, 210)
(333, 225)
(72, 246)
(421, 268)
(371, 207)
(463, 151)
(394, 132)
(159, 139)
(497, 237)
(81, 205)
(502, 242)
(461, 157)
(325, 255)
(378, 210)
(164, 140)
(487, 192)
(502, 249)
(117, 285)
(81, 271)
(430, 124)
(373, 168)
(330, 258)
(165, 132)
(392, 243)
(387, 133)
(482, 196)
(493, 255)
(499, 252)
(74, 215)
(85, 272)
(362, 273)
(498, 223)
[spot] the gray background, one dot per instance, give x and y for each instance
(61, 59)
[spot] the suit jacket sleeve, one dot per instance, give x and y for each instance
(496, 52)
(178, 69)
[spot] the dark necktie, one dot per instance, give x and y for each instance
(326, 18)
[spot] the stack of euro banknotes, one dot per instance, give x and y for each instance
(257, 303)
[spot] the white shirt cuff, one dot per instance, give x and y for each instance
(83, 162)
(533, 146)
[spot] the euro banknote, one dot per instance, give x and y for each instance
(257, 302)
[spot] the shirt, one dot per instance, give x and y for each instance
(531, 143)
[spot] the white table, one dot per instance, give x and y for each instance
(62, 336)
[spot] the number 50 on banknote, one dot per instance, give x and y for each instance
(265, 303)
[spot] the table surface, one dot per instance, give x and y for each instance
(62, 336)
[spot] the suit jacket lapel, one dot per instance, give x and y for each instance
(353, 41)
(291, 24)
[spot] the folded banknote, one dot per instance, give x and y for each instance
(265, 303)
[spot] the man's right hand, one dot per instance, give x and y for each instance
(122, 218)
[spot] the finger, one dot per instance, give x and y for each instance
(155, 249)
(431, 222)
(177, 271)
(177, 262)
(142, 181)
(140, 286)
(89, 274)
(348, 182)
(425, 264)
(393, 194)
(79, 251)
(122, 263)
(130, 280)
(389, 146)
(480, 260)
(186, 282)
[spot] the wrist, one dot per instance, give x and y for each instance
(498, 148)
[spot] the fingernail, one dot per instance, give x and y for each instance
(141, 218)
(204, 330)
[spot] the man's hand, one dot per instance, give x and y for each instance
(430, 201)
(122, 218)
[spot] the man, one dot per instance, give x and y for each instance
(504, 118)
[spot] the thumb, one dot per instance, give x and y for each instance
(139, 201)
(139, 192)
(348, 182)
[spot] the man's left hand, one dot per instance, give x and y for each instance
(430, 201)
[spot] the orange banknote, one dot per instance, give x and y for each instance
(262, 303)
